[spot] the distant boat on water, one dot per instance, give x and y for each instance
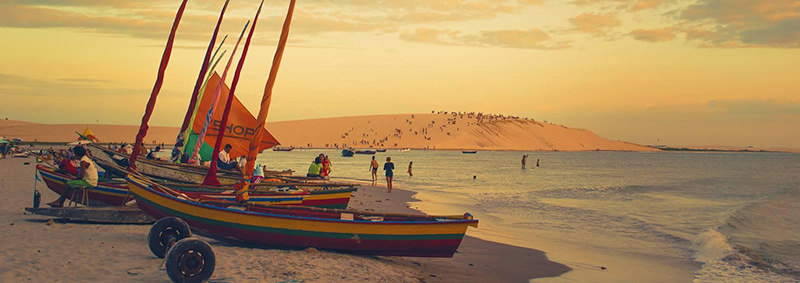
(282, 148)
(405, 150)
(469, 151)
(381, 150)
(347, 152)
(365, 152)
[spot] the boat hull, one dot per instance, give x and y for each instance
(117, 193)
(289, 230)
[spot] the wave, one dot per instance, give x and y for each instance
(758, 242)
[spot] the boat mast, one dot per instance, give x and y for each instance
(203, 70)
(267, 98)
(151, 103)
(211, 175)
(201, 136)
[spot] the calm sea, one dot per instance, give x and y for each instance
(736, 214)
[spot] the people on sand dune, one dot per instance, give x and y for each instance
(389, 168)
(315, 168)
(373, 166)
(409, 168)
(87, 176)
(224, 161)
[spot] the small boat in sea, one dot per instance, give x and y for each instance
(469, 151)
(347, 152)
(405, 150)
(282, 148)
(301, 227)
(366, 151)
(381, 150)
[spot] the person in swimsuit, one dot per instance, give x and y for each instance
(373, 166)
(389, 167)
(409, 168)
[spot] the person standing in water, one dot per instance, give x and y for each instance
(409, 168)
(524, 160)
(537, 162)
(373, 166)
(389, 167)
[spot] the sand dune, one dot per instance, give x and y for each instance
(419, 131)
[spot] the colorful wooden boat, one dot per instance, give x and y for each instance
(113, 192)
(300, 227)
(170, 171)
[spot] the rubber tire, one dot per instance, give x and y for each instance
(172, 224)
(186, 247)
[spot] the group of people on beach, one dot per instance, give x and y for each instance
(320, 167)
(388, 167)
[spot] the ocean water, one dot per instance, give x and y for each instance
(714, 216)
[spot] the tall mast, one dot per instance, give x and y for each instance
(151, 103)
(267, 98)
(203, 70)
(211, 175)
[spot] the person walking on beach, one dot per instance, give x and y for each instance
(409, 168)
(389, 167)
(87, 176)
(373, 166)
(524, 160)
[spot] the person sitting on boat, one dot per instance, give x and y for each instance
(87, 176)
(258, 174)
(224, 161)
(326, 167)
(315, 168)
(152, 154)
(65, 164)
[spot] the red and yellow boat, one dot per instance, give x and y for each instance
(113, 192)
(300, 227)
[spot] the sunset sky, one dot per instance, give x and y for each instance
(696, 72)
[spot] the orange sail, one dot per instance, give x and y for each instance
(241, 124)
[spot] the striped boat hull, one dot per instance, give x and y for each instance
(283, 227)
(117, 193)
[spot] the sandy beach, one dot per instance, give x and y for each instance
(37, 249)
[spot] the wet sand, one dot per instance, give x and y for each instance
(36, 249)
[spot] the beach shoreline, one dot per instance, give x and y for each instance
(57, 251)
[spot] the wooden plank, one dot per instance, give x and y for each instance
(108, 215)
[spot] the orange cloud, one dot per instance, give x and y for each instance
(526, 39)
(654, 35)
(594, 23)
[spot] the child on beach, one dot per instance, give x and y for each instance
(389, 167)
